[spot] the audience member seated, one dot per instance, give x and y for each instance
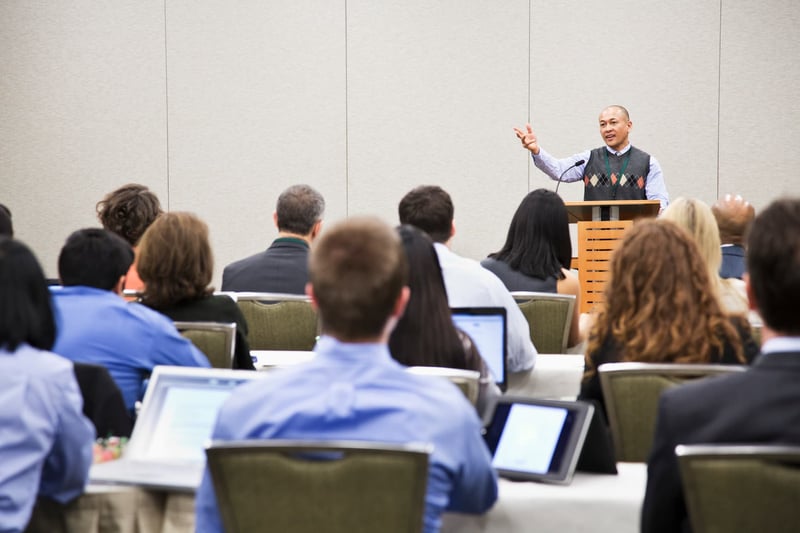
(103, 403)
(759, 406)
(6, 226)
(538, 252)
(176, 264)
(425, 335)
(45, 440)
(734, 215)
(658, 308)
(283, 267)
(468, 284)
(95, 325)
(353, 389)
(128, 212)
(696, 217)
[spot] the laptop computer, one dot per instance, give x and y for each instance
(486, 326)
(537, 440)
(167, 447)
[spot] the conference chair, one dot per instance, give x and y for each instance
(741, 487)
(549, 317)
(468, 381)
(216, 340)
(631, 392)
(102, 401)
(313, 486)
(278, 321)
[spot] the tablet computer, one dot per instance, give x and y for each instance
(537, 440)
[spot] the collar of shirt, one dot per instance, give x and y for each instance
(291, 239)
(330, 347)
(781, 344)
(621, 152)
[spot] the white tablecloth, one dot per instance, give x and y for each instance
(554, 376)
(592, 502)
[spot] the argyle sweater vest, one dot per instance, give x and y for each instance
(599, 185)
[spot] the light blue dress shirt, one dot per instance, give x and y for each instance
(358, 392)
(655, 188)
(45, 441)
(129, 339)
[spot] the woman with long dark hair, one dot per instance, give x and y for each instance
(426, 335)
(538, 251)
(47, 441)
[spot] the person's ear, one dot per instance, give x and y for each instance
(310, 294)
(275, 218)
(751, 297)
(120, 286)
(316, 229)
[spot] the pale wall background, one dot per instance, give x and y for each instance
(218, 106)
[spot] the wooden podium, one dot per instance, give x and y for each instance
(601, 226)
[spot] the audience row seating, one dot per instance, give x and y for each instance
(354, 486)
(549, 317)
(631, 392)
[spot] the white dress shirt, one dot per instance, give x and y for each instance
(468, 284)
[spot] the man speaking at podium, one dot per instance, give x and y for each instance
(616, 171)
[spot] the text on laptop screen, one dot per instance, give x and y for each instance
(488, 333)
(187, 409)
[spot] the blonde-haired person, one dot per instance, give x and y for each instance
(698, 220)
(658, 308)
(176, 265)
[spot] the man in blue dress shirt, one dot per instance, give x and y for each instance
(616, 171)
(353, 389)
(96, 325)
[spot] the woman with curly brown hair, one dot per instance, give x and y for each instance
(176, 265)
(658, 308)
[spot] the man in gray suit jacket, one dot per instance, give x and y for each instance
(759, 406)
(283, 267)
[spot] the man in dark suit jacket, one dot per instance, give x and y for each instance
(283, 267)
(759, 406)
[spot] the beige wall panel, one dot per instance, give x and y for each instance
(659, 59)
(759, 104)
(82, 111)
(434, 89)
(256, 103)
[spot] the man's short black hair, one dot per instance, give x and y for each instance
(94, 257)
(6, 227)
(773, 264)
(429, 208)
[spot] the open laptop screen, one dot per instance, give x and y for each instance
(486, 326)
(179, 411)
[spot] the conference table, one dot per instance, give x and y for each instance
(592, 502)
(595, 502)
(553, 376)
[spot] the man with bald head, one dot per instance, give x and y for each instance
(734, 216)
(616, 171)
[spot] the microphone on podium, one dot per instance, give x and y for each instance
(577, 163)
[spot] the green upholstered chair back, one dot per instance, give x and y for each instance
(309, 487)
(216, 340)
(279, 321)
(468, 381)
(631, 392)
(741, 487)
(549, 318)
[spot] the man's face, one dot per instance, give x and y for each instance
(614, 128)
